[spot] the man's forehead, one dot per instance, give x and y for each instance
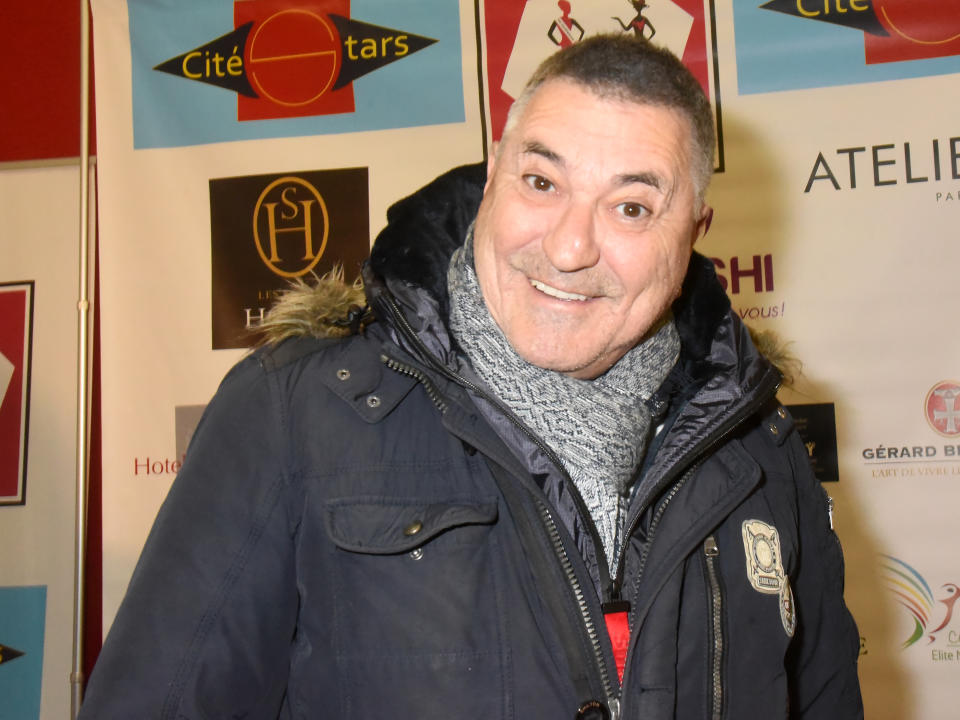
(573, 128)
(565, 101)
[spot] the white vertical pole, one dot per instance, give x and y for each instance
(83, 307)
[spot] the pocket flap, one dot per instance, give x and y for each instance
(383, 527)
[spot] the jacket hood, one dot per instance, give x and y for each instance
(422, 232)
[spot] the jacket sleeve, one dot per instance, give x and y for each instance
(822, 661)
(205, 628)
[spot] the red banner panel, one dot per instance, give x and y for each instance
(40, 81)
(16, 321)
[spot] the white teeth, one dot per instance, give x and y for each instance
(553, 292)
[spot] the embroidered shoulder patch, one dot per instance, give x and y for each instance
(761, 544)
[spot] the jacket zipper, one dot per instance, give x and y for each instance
(420, 377)
(711, 553)
(596, 644)
(651, 534)
(613, 702)
(654, 524)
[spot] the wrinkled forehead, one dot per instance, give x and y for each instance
(567, 115)
(601, 93)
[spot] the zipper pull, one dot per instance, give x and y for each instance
(616, 615)
(614, 706)
(710, 548)
(830, 510)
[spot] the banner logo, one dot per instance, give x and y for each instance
(521, 35)
(267, 230)
(289, 62)
(284, 68)
(797, 44)
(816, 423)
(856, 14)
(904, 163)
(942, 408)
(895, 30)
(930, 612)
(303, 216)
(16, 330)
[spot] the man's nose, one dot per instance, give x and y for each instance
(571, 243)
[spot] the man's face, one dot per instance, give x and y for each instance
(586, 226)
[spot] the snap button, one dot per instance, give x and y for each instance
(413, 528)
(373, 401)
(774, 429)
(343, 374)
(782, 413)
(416, 553)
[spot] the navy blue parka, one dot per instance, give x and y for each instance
(359, 530)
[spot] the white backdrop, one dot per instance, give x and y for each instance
(862, 280)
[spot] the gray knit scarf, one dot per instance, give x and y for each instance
(597, 428)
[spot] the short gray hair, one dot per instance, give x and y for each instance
(627, 68)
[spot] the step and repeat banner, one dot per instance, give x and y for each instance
(246, 144)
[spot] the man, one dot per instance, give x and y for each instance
(537, 472)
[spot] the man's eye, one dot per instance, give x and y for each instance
(632, 209)
(538, 183)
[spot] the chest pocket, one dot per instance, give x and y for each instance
(387, 528)
(416, 605)
(413, 576)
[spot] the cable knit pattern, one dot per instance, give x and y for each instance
(598, 428)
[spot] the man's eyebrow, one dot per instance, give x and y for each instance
(533, 147)
(644, 178)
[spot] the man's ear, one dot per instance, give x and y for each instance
(491, 163)
(703, 222)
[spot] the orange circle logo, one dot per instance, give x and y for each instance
(294, 56)
(922, 22)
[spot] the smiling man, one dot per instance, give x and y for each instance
(535, 468)
(589, 216)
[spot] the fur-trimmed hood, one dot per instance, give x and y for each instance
(329, 308)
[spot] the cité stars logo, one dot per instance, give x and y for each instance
(293, 61)
(799, 44)
(894, 30)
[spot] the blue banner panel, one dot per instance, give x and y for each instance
(22, 614)
(794, 44)
(250, 69)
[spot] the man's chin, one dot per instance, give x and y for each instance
(564, 360)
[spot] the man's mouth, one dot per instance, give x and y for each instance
(559, 294)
